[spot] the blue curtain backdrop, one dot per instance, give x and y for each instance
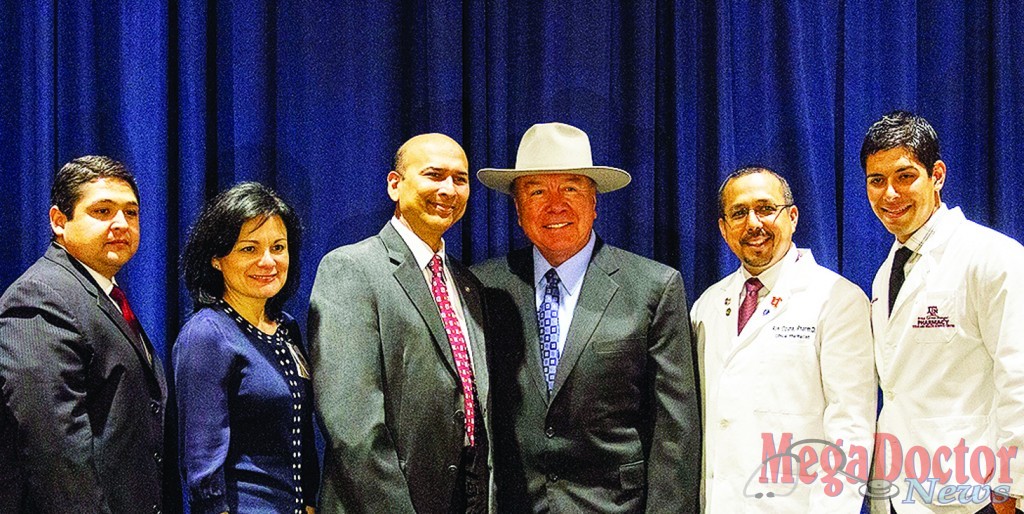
(314, 98)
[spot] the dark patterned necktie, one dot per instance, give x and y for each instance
(897, 276)
(547, 325)
(457, 342)
(749, 305)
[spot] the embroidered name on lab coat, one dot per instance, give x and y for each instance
(794, 331)
(933, 320)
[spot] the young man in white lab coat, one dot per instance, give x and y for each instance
(948, 321)
(785, 355)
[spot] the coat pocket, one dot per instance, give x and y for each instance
(616, 346)
(936, 318)
(632, 475)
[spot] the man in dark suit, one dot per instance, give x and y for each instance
(399, 375)
(81, 423)
(595, 408)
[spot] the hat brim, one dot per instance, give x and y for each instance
(606, 178)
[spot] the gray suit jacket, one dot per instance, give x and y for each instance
(82, 417)
(620, 432)
(384, 379)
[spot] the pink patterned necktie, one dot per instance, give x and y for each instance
(749, 305)
(458, 342)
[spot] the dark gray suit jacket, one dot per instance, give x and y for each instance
(81, 424)
(621, 430)
(384, 379)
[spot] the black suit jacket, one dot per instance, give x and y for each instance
(81, 423)
(620, 432)
(384, 379)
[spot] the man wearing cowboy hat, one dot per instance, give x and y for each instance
(595, 407)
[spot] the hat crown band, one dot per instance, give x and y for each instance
(553, 162)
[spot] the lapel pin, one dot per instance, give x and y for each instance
(776, 301)
(765, 312)
(728, 311)
(728, 300)
(466, 288)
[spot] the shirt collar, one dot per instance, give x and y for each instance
(570, 272)
(106, 284)
(770, 276)
(421, 251)
(916, 240)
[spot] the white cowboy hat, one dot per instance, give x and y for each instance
(549, 148)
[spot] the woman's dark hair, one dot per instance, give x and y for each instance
(217, 230)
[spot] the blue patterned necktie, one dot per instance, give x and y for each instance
(547, 325)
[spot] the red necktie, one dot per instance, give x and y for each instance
(457, 341)
(749, 305)
(129, 316)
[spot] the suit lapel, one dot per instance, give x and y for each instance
(139, 342)
(410, 277)
(726, 305)
(913, 283)
(597, 291)
(918, 277)
(791, 279)
(106, 305)
(520, 262)
(472, 312)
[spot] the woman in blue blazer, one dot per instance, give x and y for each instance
(241, 379)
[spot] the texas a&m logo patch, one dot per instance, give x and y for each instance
(933, 320)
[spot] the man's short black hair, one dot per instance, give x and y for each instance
(787, 192)
(902, 129)
(217, 230)
(67, 185)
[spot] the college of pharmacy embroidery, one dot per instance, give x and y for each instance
(933, 320)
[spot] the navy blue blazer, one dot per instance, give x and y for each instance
(82, 417)
(245, 416)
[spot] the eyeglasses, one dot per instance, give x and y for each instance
(764, 212)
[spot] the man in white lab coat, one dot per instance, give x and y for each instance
(785, 356)
(948, 320)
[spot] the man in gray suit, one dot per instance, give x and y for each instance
(594, 394)
(397, 350)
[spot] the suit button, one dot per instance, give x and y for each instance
(157, 458)
(724, 423)
(459, 416)
(453, 469)
(154, 407)
(550, 432)
(889, 395)
(553, 477)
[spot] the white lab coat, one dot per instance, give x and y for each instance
(958, 377)
(802, 365)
